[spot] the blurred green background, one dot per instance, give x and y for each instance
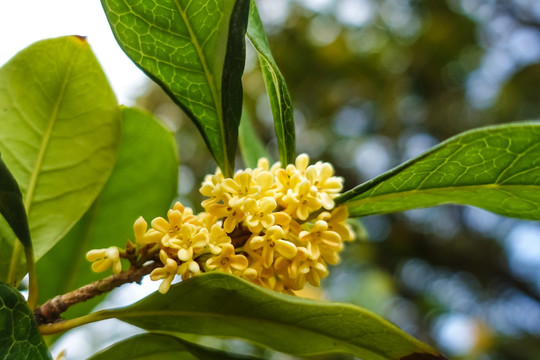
(375, 83)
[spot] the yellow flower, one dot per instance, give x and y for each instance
(322, 243)
(301, 162)
(167, 272)
(232, 215)
(218, 239)
(285, 221)
(259, 213)
(290, 268)
(270, 242)
(314, 270)
(172, 227)
(301, 200)
(188, 269)
(240, 188)
(227, 261)
(336, 221)
(188, 241)
(258, 274)
(211, 187)
(143, 237)
(284, 182)
(105, 258)
(328, 186)
(265, 181)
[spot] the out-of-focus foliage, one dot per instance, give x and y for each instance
(374, 83)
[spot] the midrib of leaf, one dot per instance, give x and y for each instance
(39, 163)
(209, 78)
(397, 195)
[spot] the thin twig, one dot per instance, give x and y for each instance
(51, 310)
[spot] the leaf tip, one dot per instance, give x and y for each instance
(80, 38)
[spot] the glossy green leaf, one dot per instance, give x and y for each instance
(153, 346)
(60, 131)
(219, 304)
(251, 146)
(11, 205)
(496, 168)
(19, 335)
(195, 50)
(143, 183)
(280, 100)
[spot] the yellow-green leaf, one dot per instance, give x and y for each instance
(496, 168)
(219, 304)
(195, 50)
(280, 100)
(60, 131)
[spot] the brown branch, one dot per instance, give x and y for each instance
(51, 310)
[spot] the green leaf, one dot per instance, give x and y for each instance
(496, 168)
(195, 50)
(11, 205)
(19, 335)
(60, 130)
(280, 100)
(163, 347)
(219, 304)
(143, 183)
(251, 146)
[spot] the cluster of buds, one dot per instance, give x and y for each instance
(276, 227)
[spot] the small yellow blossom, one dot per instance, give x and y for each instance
(169, 228)
(328, 186)
(211, 188)
(218, 239)
(188, 269)
(322, 242)
(167, 272)
(189, 240)
(314, 270)
(259, 213)
(232, 215)
(227, 261)
(336, 221)
(301, 200)
(290, 268)
(143, 237)
(240, 188)
(272, 241)
(103, 259)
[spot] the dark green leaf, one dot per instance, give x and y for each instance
(11, 205)
(280, 100)
(163, 347)
(218, 304)
(143, 183)
(195, 50)
(60, 131)
(251, 146)
(496, 168)
(19, 335)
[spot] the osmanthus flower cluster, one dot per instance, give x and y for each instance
(276, 227)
